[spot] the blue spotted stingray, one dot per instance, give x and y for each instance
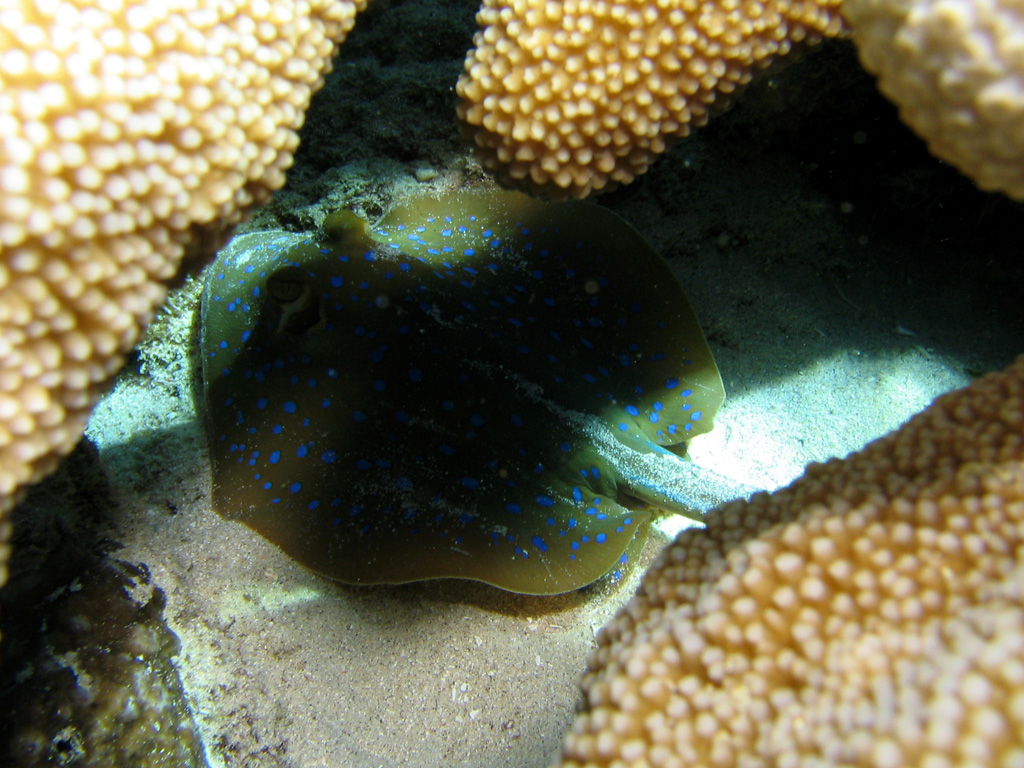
(481, 386)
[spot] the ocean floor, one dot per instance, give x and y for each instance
(843, 277)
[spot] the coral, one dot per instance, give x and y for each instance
(126, 131)
(872, 613)
(100, 689)
(88, 677)
(954, 69)
(575, 97)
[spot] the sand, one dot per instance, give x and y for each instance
(844, 279)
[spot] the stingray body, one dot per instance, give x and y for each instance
(477, 386)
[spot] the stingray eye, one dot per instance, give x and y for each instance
(287, 285)
(291, 290)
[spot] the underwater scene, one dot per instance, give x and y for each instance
(377, 475)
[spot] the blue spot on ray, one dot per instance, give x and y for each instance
(356, 374)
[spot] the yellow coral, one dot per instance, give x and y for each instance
(955, 70)
(577, 96)
(124, 126)
(870, 614)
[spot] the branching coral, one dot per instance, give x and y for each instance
(125, 128)
(575, 97)
(872, 613)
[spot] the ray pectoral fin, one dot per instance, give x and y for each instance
(581, 547)
(570, 547)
